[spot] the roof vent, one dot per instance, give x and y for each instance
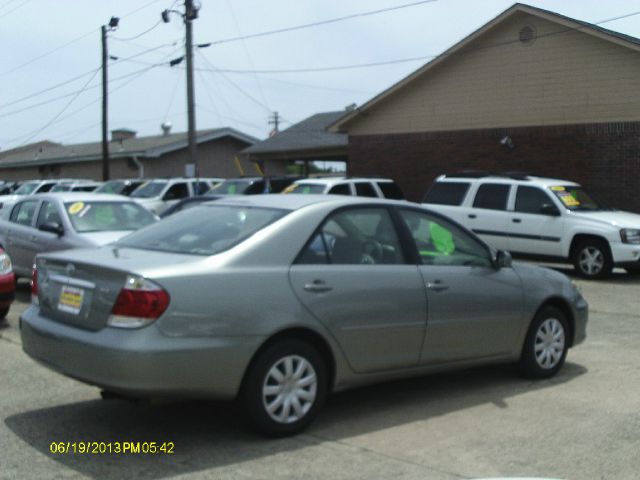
(166, 128)
(528, 35)
(122, 134)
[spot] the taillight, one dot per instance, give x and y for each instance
(139, 303)
(34, 285)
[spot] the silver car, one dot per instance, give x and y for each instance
(59, 221)
(279, 299)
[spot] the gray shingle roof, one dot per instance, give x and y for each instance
(144, 147)
(309, 134)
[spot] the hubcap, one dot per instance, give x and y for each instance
(289, 389)
(549, 345)
(591, 260)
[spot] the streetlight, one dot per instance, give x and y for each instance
(113, 24)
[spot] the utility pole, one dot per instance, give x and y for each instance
(113, 24)
(275, 121)
(190, 14)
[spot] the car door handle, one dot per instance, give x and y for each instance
(318, 286)
(472, 215)
(437, 286)
(516, 220)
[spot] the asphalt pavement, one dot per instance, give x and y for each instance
(487, 422)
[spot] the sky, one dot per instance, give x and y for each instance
(50, 78)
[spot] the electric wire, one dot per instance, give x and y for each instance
(14, 9)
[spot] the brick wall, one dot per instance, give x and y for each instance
(605, 158)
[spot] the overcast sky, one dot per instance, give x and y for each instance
(54, 45)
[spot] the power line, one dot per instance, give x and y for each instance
(322, 22)
(50, 122)
(14, 9)
(139, 35)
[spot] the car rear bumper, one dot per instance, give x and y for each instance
(141, 362)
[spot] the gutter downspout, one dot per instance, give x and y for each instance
(138, 164)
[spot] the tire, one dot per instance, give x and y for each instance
(592, 259)
(546, 345)
(271, 380)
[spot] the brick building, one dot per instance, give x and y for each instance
(530, 91)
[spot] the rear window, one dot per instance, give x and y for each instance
(205, 230)
(447, 193)
(107, 216)
(391, 190)
(492, 196)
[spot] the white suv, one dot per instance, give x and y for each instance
(541, 218)
(362, 187)
(159, 194)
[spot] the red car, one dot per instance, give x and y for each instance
(7, 284)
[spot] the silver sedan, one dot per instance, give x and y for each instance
(278, 300)
(59, 221)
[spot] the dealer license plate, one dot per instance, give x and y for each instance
(70, 300)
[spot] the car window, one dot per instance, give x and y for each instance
(45, 187)
(447, 193)
(279, 184)
(177, 191)
(23, 212)
(48, 214)
(340, 189)
(91, 216)
(113, 186)
(150, 189)
(365, 189)
(256, 188)
(27, 188)
(200, 187)
(440, 242)
(356, 236)
(305, 188)
(391, 190)
(531, 199)
(186, 232)
(492, 196)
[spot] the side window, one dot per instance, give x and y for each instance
(48, 214)
(340, 189)
(492, 196)
(45, 187)
(365, 189)
(447, 193)
(442, 243)
(531, 200)
(23, 212)
(176, 191)
(391, 190)
(356, 236)
(256, 188)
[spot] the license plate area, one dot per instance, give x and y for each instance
(71, 299)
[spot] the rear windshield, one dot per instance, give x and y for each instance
(106, 216)
(447, 193)
(204, 230)
(305, 188)
(114, 186)
(150, 190)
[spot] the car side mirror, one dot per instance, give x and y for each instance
(503, 259)
(52, 227)
(549, 209)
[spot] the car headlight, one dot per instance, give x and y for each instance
(630, 235)
(5, 264)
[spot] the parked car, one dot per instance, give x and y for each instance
(76, 186)
(188, 203)
(158, 195)
(363, 187)
(7, 284)
(280, 299)
(8, 187)
(122, 186)
(543, 218)
(29, 188)
(252, 185)
(59, 221)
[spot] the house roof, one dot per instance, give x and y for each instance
(567, 23)
(143, 147)
(308, 135)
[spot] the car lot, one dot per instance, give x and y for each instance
(583, 423)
